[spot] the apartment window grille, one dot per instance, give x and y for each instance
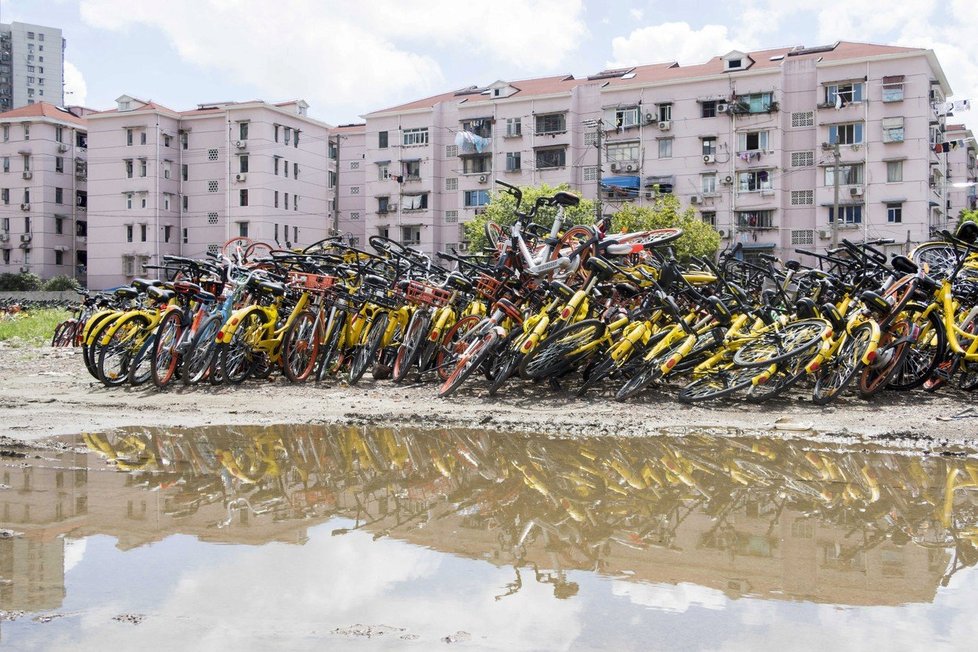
(802, 197)
(212, 249)
(591, 173)
(355, 190)
(551, 158)
(451, 217)
(803, 119)
(590, 139)
(802, 159)
(212, 218)
(801, 237)
(554, 123)
(212, 155)
(355, 215)
(354, 165)
(212, 186)
(451, 183)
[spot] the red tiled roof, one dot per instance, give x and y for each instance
(42, 110)
(149, 106)
(350, 129)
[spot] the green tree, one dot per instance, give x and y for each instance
(23, 282)
(967, 216)
(61, 283)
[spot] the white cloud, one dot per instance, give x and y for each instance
(76, 90)
(366, 54)
(671, 42)
(674, 598)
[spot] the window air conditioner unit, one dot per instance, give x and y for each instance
(25, 207)
(723, 107)
(631, 167)
(614, 167)
(665, 125)
(4, 237)
(63, 147)
(649, 118)
(28, 174)
(723, 233)
(24, 270)
(824, 234)
(241, 144)
(61, 248)
(696, 199)
(856, 191)
(727, 180)
(241, 176)
(392, 206)
(709, 158)
(483, 178)
(25, 237)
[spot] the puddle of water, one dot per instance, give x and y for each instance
(300, 536)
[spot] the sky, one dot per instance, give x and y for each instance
(350, 58)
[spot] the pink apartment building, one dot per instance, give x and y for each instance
(43, 202)
(347, 143)
(184, 182)
(748, 139)
(962, 177)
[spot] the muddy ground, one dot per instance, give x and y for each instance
(46, 392)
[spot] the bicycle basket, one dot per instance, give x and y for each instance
(311, 282)
(378, 296)
(417, 292)
(487, 287)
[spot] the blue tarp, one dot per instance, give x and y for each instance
(622, 182)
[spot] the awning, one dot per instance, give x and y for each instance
(757, 245)
(622, 182)
(661, 180)
(382, 162)
(410, 160)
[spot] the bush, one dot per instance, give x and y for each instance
(23, 282)
(62, 283)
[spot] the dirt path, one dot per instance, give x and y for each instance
(47, 392)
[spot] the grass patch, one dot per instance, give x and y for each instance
(34, 327)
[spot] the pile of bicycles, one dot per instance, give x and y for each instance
(565, 306)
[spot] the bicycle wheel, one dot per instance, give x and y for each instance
(780, 344)
(836, 374)
(58, 337)
(718, 383)
(891, 353)
(564, 349)
(503, 366)
(300, 346)
(649, 372)
(140, 369)
(238, 358)
(197, 359)
(330, 357)
(925, 353)
(410, 349)
(479, 345)
(938, 258)
(448, 351)
(788, 373)
(368, 350)
(93, 344)
(164, 357)
(117, 353)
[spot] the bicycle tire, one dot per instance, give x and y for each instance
(116, 354)
(650, 372)
(365, 354)
(795, 338)
(59, 331)
(238, 360)
(470, 360)
(164, 357)
(560, 352)
(200, 355)
(787, 374)
(140, 371)
(890, 355)
(718, 383)
(836, 374)
(925, 353)
(93, 344)
(505, 365)
(444, 358)
(330, 356)
(409, 352)
(300, 347)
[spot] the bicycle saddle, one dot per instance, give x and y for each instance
(565, 199)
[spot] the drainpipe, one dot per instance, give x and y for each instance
(865, 185)
(227, 182)
(156, 203)
(74, 206)
(336, 187)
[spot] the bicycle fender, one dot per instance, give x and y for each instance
(231, 325)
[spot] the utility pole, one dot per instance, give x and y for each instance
(835, 202)
(600, 152)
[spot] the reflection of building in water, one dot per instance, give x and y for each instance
(747, 519)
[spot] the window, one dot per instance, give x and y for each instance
(551, 158)
(893, 88)
(288, 135)
(664, 111)
(894, 213)
(382, 139)
(166, 201)
(451, 151)
(27, 132)
(752, 141)
(5, 197)
(142, 137)
(623, 118)
(412, 170)
(275, 129)
(451, 217)
(514, 127)
(847, 214)
(756, 219)
(665, 148)
(331, 179)
(802, 237)
(166, 140)
(275, 199)
(129, 231)
(513, 163)
(166, 233)
(243, 162)
(129, 200)
(476, 198)
(803, 119)
(59, 195)
(451, 183)
(480, 127)
(849, 92)
(142, 201)
(142, 232)
(212, 155)
(184, 172)
(243, 197)
(849, 175)
(333, 148)
(477, 164)
(186, 202)
(553, 123)
(709, 145)
(709, 217)
(411, 235)
(59, 134)
(295, 202)
(802, 159)
(802, 197)
(285, 168)
(167, 165)
(212, 186)
(893, 130)
(30, 35)
(286, 201)
(243, 229)
(212, 218)
(142, 167)
(894, 171)
(623, 152)
(275, 160)
(708, 109)
(756, 102)
(754, 180)
(59, 164)
(846, 134)
(186, 236)
(184, 140)
(416, 202)
(415, 137)
(383, 204)
(295, 170)
(59, 257)
(6, 133)
(708, 184)
(383, 171)
(243, 132)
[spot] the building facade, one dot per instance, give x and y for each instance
(43, 191)
(753, 141)
(962, 166)
(346, 155)
(31, 65)
(168, 182)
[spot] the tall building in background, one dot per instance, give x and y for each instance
(31, 65)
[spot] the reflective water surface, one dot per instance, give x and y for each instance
(305, 536)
